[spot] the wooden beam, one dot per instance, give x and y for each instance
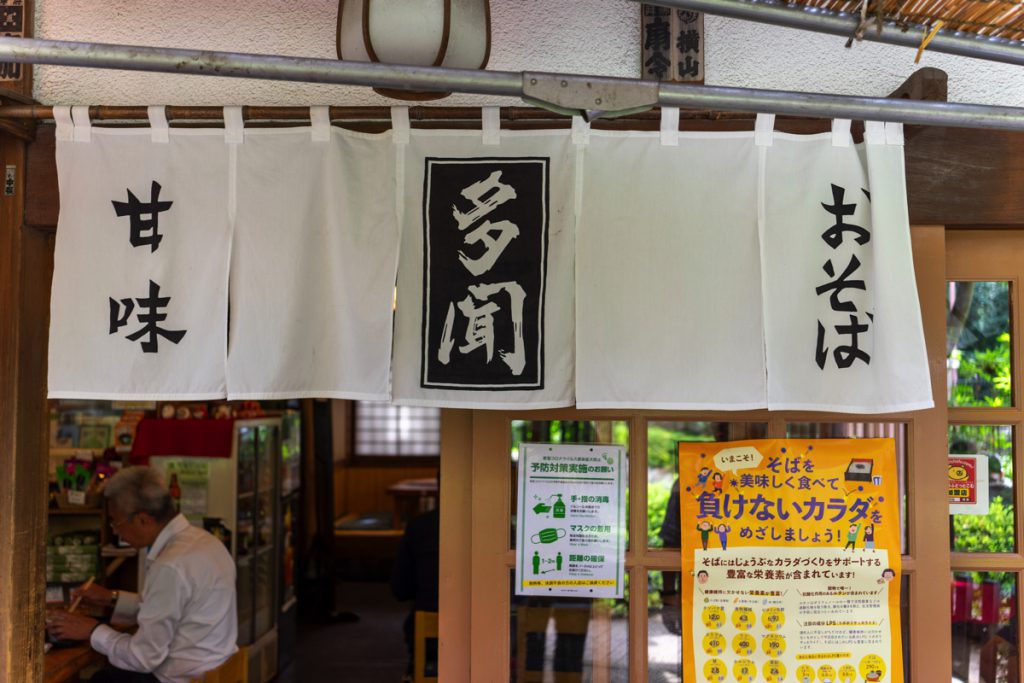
(955, 176)
(927, 83)
(965, 177)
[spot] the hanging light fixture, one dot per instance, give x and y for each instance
(450, 33)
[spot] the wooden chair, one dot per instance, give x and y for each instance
(425, 624)
(234, 670)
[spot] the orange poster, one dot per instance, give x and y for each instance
(791, 561)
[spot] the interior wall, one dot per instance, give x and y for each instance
(569, 36)
(359, 489)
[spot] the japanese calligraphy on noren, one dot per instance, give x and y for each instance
(485, 225)
(144, 217)
(845, 332)
(12, 24)
(152, 313)
(672, 44)
(143, 231)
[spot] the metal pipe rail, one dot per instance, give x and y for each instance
(846, 25)
(560, 91)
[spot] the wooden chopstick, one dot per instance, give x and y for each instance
(85, 587)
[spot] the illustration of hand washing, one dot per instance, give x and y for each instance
(548, 535)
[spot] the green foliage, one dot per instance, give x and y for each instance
(980, 342)
(658, 493)
(984, 375)
(991, 533)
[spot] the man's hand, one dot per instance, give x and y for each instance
(65, 626)
(94, 596)
(671, 616)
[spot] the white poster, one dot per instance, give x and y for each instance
(968, 485)
(805, 628)
(571, 528)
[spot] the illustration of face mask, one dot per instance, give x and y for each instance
(547, 535)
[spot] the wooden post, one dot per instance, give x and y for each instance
(26, 266)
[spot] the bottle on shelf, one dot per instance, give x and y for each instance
(175, 490)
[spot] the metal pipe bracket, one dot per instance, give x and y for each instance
(589, 96)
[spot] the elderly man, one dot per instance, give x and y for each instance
(187, 623)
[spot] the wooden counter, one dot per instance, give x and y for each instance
(64, 663)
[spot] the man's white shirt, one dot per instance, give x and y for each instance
(186, 614)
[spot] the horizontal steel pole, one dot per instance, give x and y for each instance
(267, 67)
(505, 83)
(919, 112)
(836, 23)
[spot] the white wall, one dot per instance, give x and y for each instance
(571, 36)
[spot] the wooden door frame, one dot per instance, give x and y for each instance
(26, 264)
(927, 562)
(983, 254)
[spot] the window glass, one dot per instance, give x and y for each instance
(664, 628)
(663, 468)
(991, 528)
(978, 366)
(864, 430)
(569, 639)
(382, 429)
(985, 634)
(560, 431)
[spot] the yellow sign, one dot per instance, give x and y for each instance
(797, 543)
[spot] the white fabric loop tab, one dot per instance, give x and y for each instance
(490, 119)
(841, 133)
(894, 133)
(874, 132)
(764, 130)
(83, 126)
(400, 125)
(65, 126)
(320, 123)
(580, 131)
(159, 130)
(670, 126)
(234, 127)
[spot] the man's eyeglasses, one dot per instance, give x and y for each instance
(114, 525)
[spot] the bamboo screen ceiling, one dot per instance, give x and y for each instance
(989, 18)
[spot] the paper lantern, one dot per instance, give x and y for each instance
(449, 33)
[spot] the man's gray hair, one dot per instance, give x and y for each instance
(140, 489)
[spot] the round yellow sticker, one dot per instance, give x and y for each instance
(743, 618)
(773, 618)
(713, 616)
(847, 674)
(872, 668)
(714, 643)
(743, 644)
(826, 673)
(714, 671)
(774, 671)
(805, 674)
(773, 645)
(744, 670)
